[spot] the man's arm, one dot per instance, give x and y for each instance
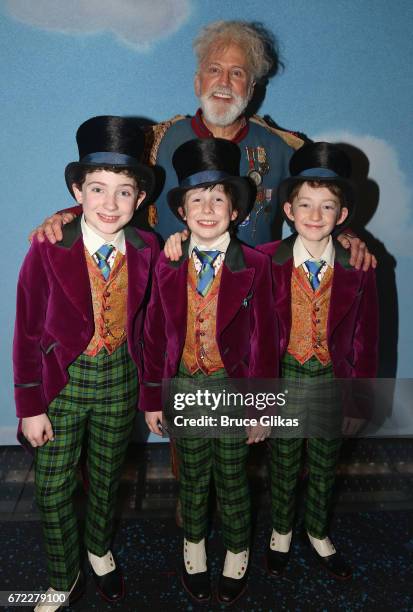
(51, 228)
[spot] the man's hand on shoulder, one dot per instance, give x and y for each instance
(173, 246)
(51, 228)
(360, 256)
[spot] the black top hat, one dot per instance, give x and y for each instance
(108, 141)
(320, 161)
(208, 161)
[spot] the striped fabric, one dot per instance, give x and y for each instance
(99, 401)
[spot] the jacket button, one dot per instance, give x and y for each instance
(201, 320)
(106, 294)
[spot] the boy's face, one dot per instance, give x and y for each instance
(108, 200)
(315, 211)
(208, 213)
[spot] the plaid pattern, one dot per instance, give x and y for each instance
(100, 399)
(224, 458)
(322, 456)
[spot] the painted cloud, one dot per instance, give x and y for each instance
(135, 23)
(392, 222)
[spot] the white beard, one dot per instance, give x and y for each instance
(226, 117)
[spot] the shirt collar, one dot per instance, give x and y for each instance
(201, 130)
(221, 244)
(93, 241)
(301, 255)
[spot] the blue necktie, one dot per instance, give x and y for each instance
(314, 268)
(103, 255)
(206, 274)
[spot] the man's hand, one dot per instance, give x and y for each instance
(360, 256)
(173, 248)
(51, 228)
(37, 429)
(257, 433)
(154, 422)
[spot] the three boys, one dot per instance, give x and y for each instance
(210, 315)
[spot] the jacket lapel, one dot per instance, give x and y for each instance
(138, 255)
(345, 288)
(283, 262)
(173, 279)
(235, 289)
(70, 269)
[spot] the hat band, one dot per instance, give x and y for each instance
(319, 172)
(109, 157)
(207, 176)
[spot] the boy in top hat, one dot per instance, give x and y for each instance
(328, 325)
(77, 348)
(210, 315)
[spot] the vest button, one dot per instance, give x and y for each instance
(317, 308)
(202, 333)
(106, 294)
(317, 320)
(107, 307)
(201, 320)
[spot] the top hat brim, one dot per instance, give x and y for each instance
(245, 192)
(144, 172)
(286, 186)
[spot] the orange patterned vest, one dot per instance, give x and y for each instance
(309, 311)
(201, 350)
(109, 305)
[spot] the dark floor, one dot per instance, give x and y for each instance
(372, 526)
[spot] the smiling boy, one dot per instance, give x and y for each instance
(77, 349)
(210, 315)
(327, 313)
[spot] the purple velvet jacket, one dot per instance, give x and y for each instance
(54, 316)
(352, 327)
(245, 327)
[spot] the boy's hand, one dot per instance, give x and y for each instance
(257, 433)
(360, 255)
(173, 248)
(51, 228)
(154, 422)
(37, 429)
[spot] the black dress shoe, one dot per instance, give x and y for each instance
(197, 585)
(231, 589)
(334, 563)
(111, 586)
(277, 561)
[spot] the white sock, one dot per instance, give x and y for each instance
(195, 558)
(236, 564)
(280, 541)
(324, 547)
(102, 565)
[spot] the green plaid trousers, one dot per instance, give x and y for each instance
(225, 459)
(99, 401)
(322, 455)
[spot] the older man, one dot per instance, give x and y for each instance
(233, 56)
